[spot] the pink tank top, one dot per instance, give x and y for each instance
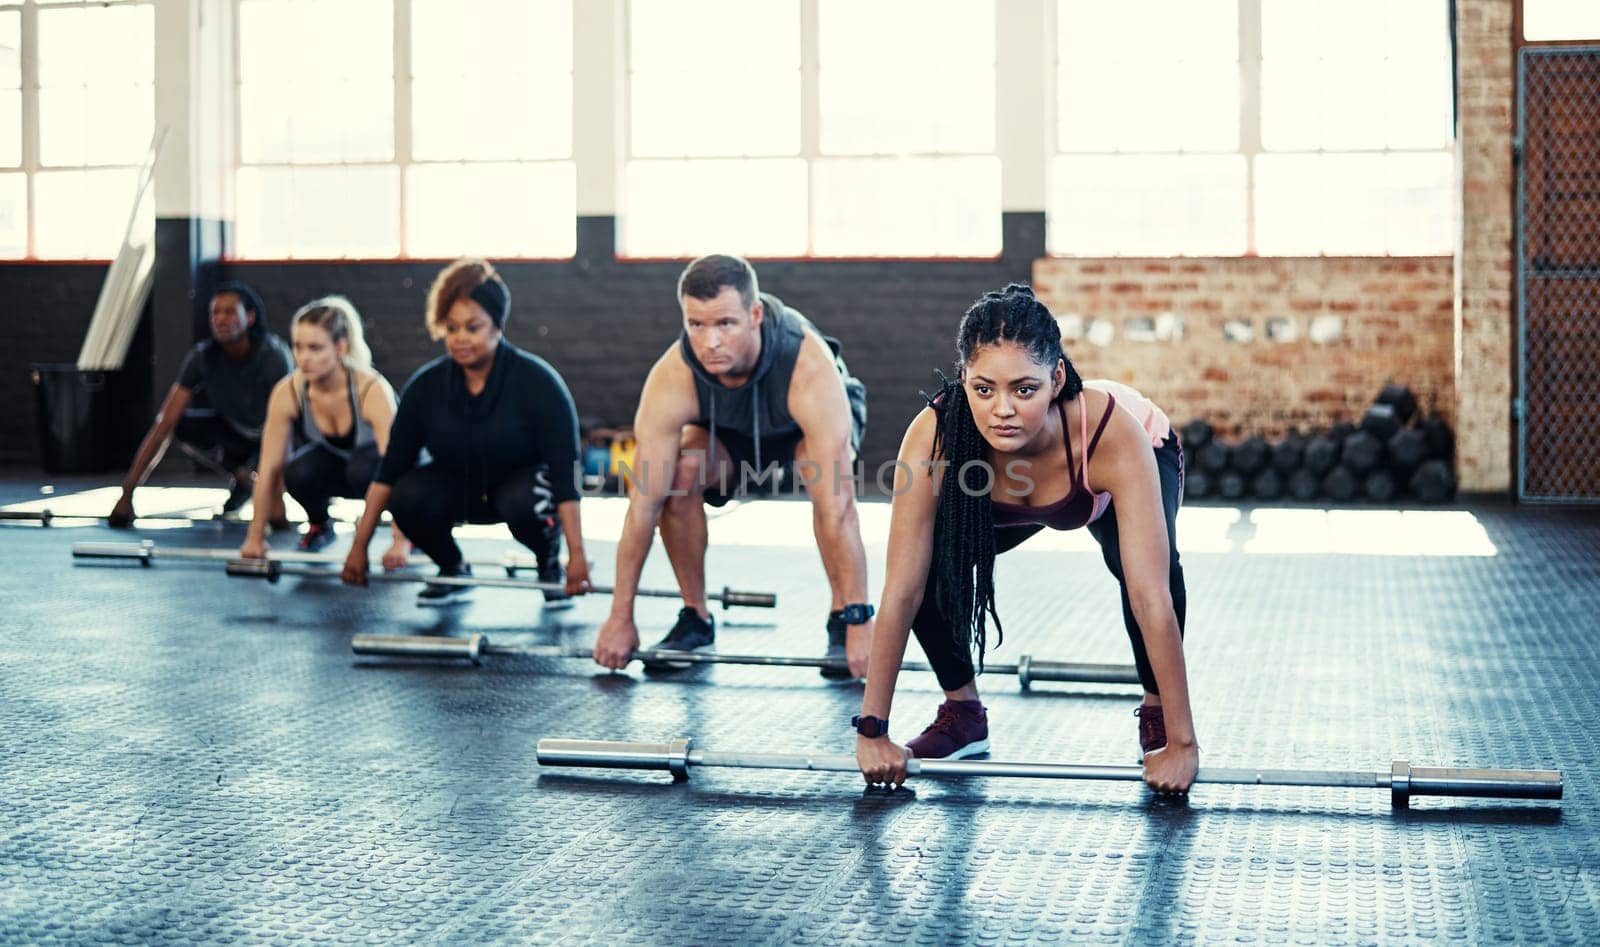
(1082, 506)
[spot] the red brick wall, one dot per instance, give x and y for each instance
(1395, 319)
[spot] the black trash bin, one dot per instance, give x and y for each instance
(74, 410)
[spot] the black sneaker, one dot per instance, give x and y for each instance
(691, 633)
(437, 593)
(238, 495)
(837, 630)
(316, 537)
(551, 573)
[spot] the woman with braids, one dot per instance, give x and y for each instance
(1018, 442)
(327, 424)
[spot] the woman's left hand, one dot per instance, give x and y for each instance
(1172, 768)
(577, 575)
(397, 555)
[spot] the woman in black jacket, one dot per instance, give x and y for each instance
(501, 432)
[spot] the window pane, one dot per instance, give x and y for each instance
(714, 77)
(1148, 205)
(906, 76)
(316, 121)
(497, 94)
(1354, 204)
(10, 98)
(1363, 74)
(13, 215)
(10, 49)
(908, 207)
(10, 128)
(448, 37)
(97, 46)
(96, 73)
(1176, 88)
(501, 210)
(686, 208)
(1560, 19)
(322, 213)
(317, 80)
(82, 214)
(492, 117)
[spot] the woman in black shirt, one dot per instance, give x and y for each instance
(501, 433)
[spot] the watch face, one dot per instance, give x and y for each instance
(869, 726)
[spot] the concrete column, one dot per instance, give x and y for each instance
(1484, 315)
(1025, 85)
(599, 129)
(194, 88)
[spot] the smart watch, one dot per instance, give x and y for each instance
(857, 614)
(871, 727)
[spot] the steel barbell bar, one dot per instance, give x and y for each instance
(273, 569)
(1401, 779)
(146, 551)
(474, 647)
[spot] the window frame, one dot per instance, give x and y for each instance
(402, 157)
(1251, 148)
(31, 165)
(810, 151)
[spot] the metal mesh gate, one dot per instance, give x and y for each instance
(1558, 259)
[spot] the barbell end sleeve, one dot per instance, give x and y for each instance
(1081, 673)
(1025, 672)
(268, 569)
(111, 550)
(1485, 783)
(678, 758)
(469, 648)
(748, 599)
(1400, 785)
(606, 754)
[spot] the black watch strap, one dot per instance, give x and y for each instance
(869, 726)
(856, 614)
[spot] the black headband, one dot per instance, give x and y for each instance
(495, 299)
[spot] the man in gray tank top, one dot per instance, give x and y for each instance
(749, 389)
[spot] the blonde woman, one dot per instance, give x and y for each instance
(327, 426)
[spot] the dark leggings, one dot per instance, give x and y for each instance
(316, 475)
(427, 504)
(203, 434)
(952, 659)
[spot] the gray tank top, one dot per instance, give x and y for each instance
(307, 436)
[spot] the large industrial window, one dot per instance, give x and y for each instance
(77, 110)
(811, 127)
(1560, 20)
(420, 128)
(1275, 127)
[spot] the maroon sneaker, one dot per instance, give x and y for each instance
(316, 537)
(960, 729)
(1152, 727)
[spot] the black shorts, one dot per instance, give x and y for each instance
(777, 462)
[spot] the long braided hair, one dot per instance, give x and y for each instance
(963, 531)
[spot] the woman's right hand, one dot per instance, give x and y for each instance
(355, 566)
(121, 515)
(255, 547)
(882, 761)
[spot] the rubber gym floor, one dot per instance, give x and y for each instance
(189, 757)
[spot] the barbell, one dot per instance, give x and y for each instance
(273, 569)
(1401, 779)
(476, 646)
